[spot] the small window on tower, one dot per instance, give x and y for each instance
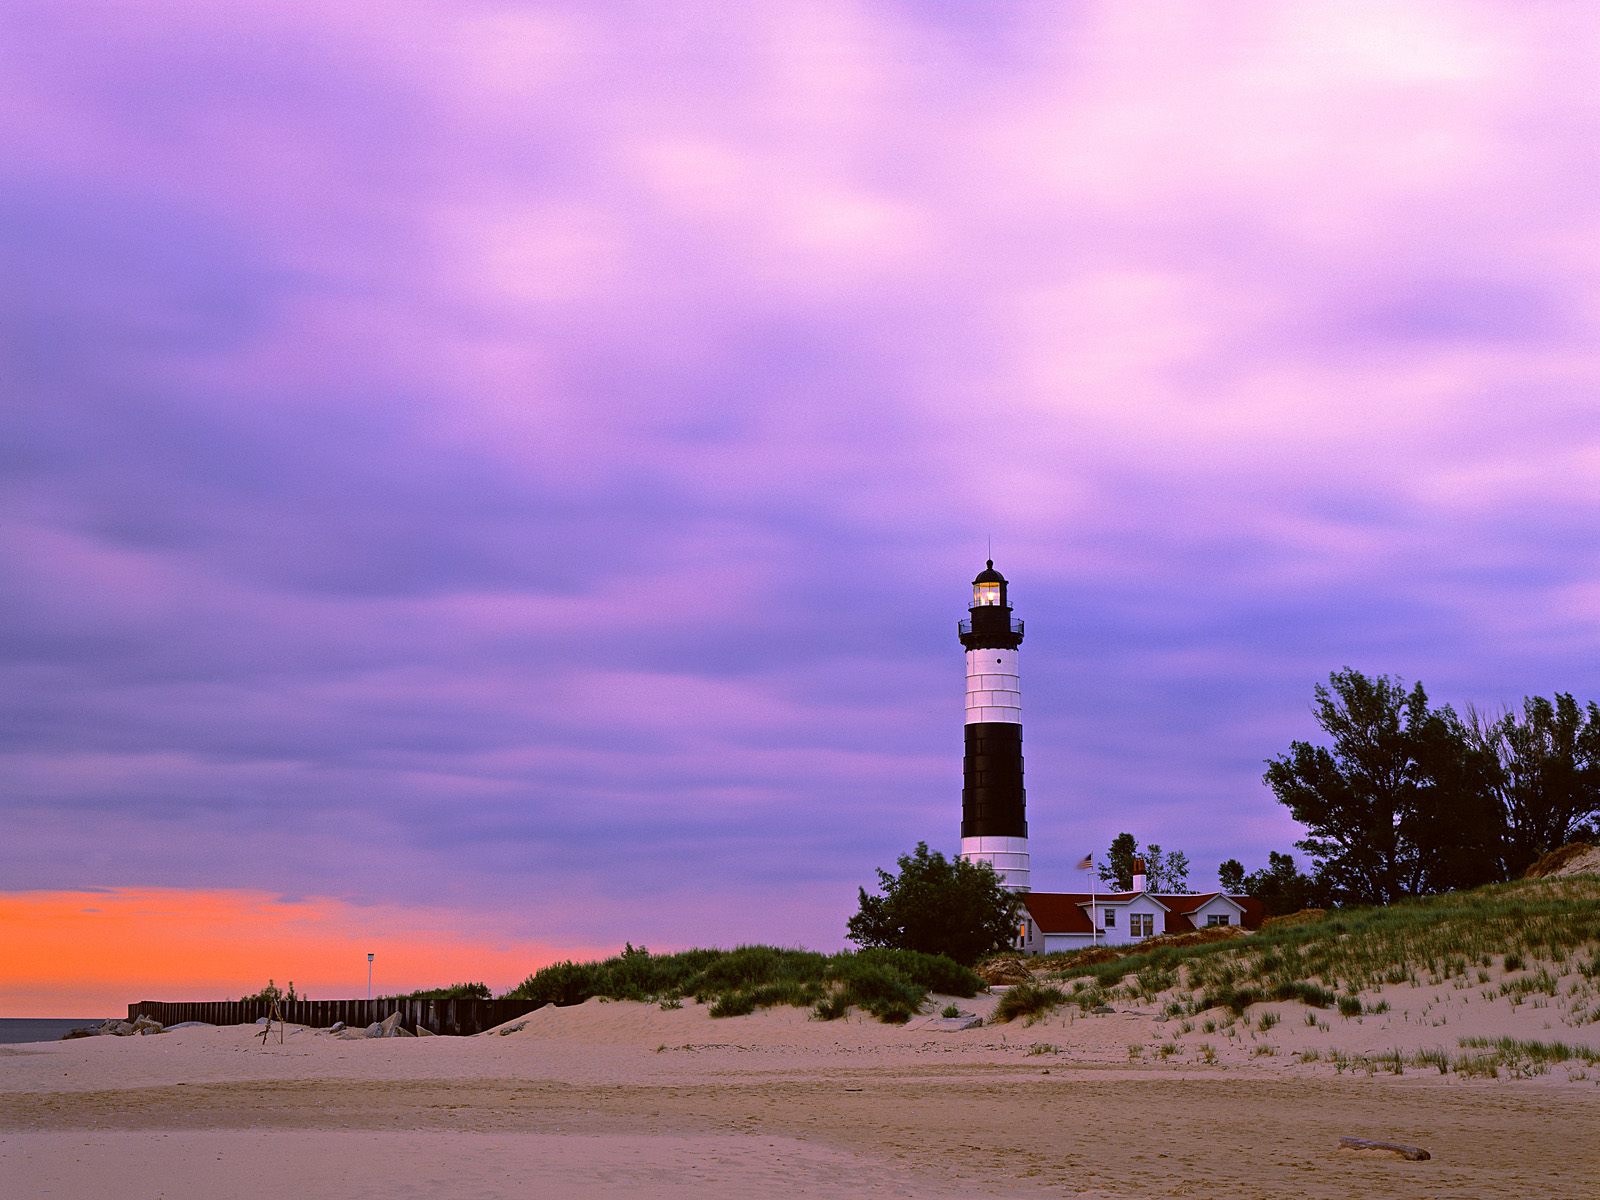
(985, 594)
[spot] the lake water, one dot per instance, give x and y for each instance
(41, 1029)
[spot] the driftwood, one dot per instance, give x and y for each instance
(1414, 1153)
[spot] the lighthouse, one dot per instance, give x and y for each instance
(994, 822)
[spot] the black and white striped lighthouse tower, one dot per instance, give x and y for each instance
(994, 820)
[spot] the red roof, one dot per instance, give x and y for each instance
(1067, 912)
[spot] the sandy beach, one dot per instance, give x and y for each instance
(611, 1099)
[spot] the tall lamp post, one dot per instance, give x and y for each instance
(370, 957)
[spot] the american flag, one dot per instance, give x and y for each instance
(1087, 864)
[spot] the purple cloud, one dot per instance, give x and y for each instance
(538, 451)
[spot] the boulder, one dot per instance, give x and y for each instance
(143, 1025)
(952, 1024)
(424, 1031)
(337, 1027)
(375, 1029)
(1004, 969)
(390, 1025)
(117, 1028)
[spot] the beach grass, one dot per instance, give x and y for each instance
(892, 985)
(1332, 961)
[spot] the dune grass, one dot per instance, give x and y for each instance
(892, 985)
(1333, 961)
(1534, 933)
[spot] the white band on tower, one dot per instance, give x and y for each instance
(994, 689)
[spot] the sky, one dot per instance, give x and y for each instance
(487, 482)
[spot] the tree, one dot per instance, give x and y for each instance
(1544, 770)
(1165, 873)
(1230, 875)
(1360, 799)
(1280, 885)
(938, 906)
(1410, 800)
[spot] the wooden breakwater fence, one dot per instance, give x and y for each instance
(450, 1018)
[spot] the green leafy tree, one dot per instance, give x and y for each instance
(1401, 802)
(1230, 876)
(1410, 800)
(1358, 797)
(937, 905)
(1166, 872)
(1543, 764)
(1280, 886)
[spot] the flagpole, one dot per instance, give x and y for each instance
(1094, 900)
(1094, 912)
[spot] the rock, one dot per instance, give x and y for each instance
(375, 1029)
(514, 1027)
(424, 1031)
(952, 1024)
(263, 1020)
(143, 1025)
(1004, 969)
(337, 1027)
(117, 1028)
(90, 1031)
(1101, 1008)
(390, 1025)
(1412, 1153)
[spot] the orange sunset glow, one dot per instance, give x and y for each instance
(89, 953)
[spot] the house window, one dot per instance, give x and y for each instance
(1141, 924)
(1218, 919)
(1111, 918)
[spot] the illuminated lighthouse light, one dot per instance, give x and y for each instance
(994, 826)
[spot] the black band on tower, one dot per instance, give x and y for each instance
(992, 799)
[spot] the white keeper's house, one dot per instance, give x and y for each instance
(1054, 921)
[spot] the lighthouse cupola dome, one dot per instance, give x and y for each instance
(989, 588)
(991, 623)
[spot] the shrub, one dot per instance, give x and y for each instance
(272, 992)
(1306, 993)
(890, 984)
(938, 906)
(931, 972)
(831, 1007)
(1235, 1000)
(877, 987)
(454, 991)
(1030, 1000)
(561, 984)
